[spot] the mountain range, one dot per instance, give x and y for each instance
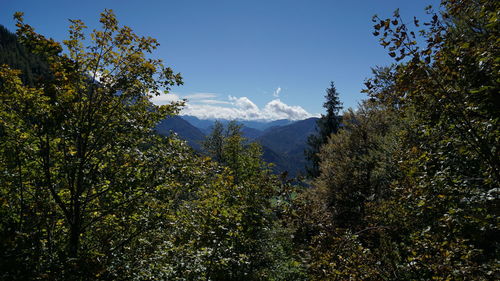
(283, 141)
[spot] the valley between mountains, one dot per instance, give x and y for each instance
(283, 141)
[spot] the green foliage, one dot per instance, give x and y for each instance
(333, 220)
(409, 188)
(450, 88)
(228, 147)
(260, 245)
(214, 142)
(83, 142)
(328, 124)
(356, 164)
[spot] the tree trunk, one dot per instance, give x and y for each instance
(74, 239)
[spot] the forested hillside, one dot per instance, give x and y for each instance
(14, 54)
(406, 189)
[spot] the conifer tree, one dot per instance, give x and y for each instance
(328, 124)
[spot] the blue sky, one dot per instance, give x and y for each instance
(256, 59)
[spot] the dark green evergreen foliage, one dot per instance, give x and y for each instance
(327, 125)
(12, 53)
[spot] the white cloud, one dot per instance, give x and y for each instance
(243, 103)
(277, 92)
(209, 101)
(276, 109)
(207, 106)
(206, 111)
(197, 96)
(243, 108)
(165, 98)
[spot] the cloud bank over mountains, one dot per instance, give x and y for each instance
(209, 106)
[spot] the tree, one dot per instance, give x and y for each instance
(437, 165)
(447, 95)
(214, 142)
(229, 148)
(328, 124)
(356, 164)
(334, 221)
(83, 138)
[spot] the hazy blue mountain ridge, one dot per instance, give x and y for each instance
(193, 135)
(283, 141)
(290, 142)
(204, 124)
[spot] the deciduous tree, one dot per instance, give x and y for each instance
(82, 139)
